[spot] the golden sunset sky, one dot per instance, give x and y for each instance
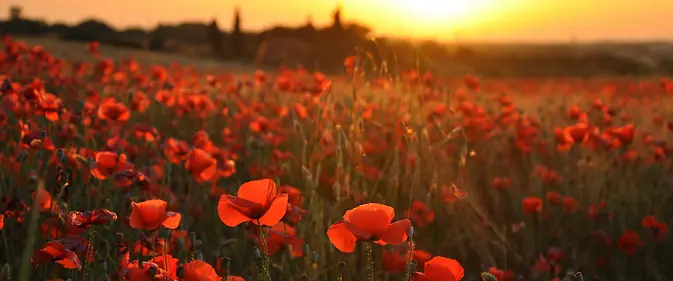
(470, 20)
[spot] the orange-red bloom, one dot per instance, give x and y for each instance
(152, 214)
(420, 214)
(55, 251)
(201, 165)
(629, 242)
(659, 229)
(107, 163)
(113, 111)
(441, 269)
(257, 201)
(368, 222)
(532, 205)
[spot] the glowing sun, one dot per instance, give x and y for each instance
(440, 11)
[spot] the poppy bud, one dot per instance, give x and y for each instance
(91, 162)
(257, 253)
(342, 266)
(579, 276)
(485, 276)
(22, 157)
(152, 271)
(60, 155)
(119, 237)
(315, 256)
(411, 231)
(226, 263)
(307, 248)
(192, 237)
(199, 255)
(5, 86)
(180, 272)
(164, 232)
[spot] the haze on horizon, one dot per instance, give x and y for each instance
(468, 20)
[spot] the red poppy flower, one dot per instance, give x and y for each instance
(441, 269)
(570, 204)
(501, 183)
(281, 236)
(629, 242)
(85, 220)
(201, 165)
(659, 229)
(2, 221)
(169, 266)
(553, 197)
(152, 214)
(176, 150)
(56, 252)
(107, 163)
(394, 261)
(113, 111)
(198, 270)
(421, 257)
(257, 201)
(420, 214)
(368, 222)
(532, 205)
(294, 195)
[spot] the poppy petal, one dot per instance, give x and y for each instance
(342, 238)
(397, 232)
(297, 246)
(276, 211)
(231, 213)
(441, 268)
(372, 218)
(172, 220)
(258, 191)
(208, 173)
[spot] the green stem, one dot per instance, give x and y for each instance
(265, 253)
(25, 270)
(370, 261)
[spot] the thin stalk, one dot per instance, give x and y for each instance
(370, 261)
(25, 270)
(265, 253)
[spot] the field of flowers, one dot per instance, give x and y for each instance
(115, 170)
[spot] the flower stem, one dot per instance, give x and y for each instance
(370, 261)
(265, 253)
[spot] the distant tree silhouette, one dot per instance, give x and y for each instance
(89, 30)
(237, 34)
(336, 18)
(214, 38)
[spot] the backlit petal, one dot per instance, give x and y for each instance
(258, 191)
(276, 211)
(231, 213)
(397, 232)
(342, 238)
(373, 218)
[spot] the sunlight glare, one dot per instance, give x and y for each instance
(433, 12)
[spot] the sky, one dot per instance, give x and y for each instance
(444, 20)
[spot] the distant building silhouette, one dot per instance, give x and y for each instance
(237, 35)
(214, 38)
(15, 13)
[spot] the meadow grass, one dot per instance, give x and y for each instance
(523, 179)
